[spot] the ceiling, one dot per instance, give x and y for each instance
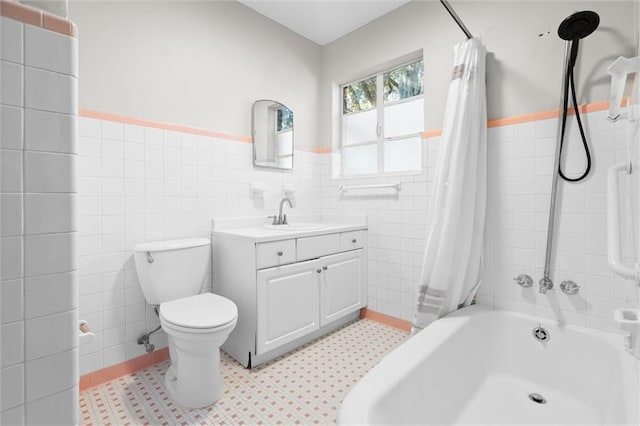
(323, 21)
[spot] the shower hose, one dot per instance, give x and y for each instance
(569, 80)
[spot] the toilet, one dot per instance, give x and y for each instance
(171, 274)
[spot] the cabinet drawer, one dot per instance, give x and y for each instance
(312, 247)
(275, 253)
(352, 240)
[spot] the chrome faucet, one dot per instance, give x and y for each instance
(545, 284)
(281, 219)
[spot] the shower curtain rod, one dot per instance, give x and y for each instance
(456, 18)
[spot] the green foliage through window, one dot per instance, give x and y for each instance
(284, 119)
(359, 96)
(403, 82)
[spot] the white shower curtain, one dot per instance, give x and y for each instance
(452, 265)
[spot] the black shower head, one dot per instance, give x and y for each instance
(579, 25)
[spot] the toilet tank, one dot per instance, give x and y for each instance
(169, 270)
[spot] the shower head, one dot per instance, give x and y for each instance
(579, 25)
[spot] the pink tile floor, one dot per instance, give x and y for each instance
(305, 386)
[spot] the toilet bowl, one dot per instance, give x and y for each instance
(197, 326)
(171, 274)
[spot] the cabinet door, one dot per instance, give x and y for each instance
(288, 304)
(342, 285)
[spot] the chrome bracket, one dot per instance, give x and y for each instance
(569, 287)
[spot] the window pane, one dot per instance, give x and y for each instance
(405, 118)
(403, 82)
(359, 160)
(284, 143)
(360, 127)
(284, 119)
(403, 155)
(359, 96)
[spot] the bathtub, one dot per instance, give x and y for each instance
(480, 366)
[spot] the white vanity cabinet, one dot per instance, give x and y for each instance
(289, 288)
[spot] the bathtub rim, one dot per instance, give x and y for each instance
(401, 362)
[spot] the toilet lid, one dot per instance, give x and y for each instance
(205, 310)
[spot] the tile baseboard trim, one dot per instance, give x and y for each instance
(385, 319)
(128, 367)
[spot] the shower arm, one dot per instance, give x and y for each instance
(546, 281)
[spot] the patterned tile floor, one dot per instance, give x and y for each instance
(305, 386)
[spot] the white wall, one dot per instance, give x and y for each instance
(140, 183)
(199, 64)
(525, 55)
(38, 277)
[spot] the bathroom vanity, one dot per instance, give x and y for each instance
(290, 285)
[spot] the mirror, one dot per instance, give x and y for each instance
(272, 129)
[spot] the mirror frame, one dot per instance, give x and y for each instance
(253, 136)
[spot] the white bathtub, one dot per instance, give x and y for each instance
(479, 366)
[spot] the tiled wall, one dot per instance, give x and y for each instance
(39, 312)
(520, 158)
(145, 183)
(520, 164)
(397, 227)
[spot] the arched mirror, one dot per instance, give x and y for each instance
(272, 129)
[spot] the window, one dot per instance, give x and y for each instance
(382, 118)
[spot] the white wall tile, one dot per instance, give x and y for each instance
(11, 127)
(11, 178)
(14, 416)
(11, 217)
(49, 294)
(50, 172)
(49, 131)
(11, 261)
(11, 40)
(12, 301)
(50, 253)
(50, 51)
(49, 334)
(54, 373)
(50, 213)
(50, 91)
(11, 81)
(12, 348)
(46, 411)
(12, 386)
(89, 127)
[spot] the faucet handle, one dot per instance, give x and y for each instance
(275, 219)
(284, 220)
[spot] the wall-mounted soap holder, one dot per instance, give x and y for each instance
(85, 335)
(629, 321)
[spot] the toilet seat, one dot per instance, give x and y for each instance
(202, 313)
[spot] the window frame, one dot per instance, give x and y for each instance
(379, 108)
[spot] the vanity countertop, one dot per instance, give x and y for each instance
(259, 234)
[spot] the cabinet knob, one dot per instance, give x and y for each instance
(324, 268)
(354, 241)
(318, 270)
(279, 253)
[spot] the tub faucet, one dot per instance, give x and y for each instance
(282, 219)
(545, 284)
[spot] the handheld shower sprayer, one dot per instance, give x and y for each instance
(572, 29)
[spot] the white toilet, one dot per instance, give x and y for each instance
(171, 274)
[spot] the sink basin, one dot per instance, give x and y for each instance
(294, 227)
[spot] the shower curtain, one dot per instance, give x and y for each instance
(452, 265)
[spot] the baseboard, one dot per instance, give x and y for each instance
(385, 319)
(128, 367)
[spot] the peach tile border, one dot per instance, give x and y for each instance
(128, 367)
(32, 16)
(385, 319)
(524, 118)
(159, 125)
